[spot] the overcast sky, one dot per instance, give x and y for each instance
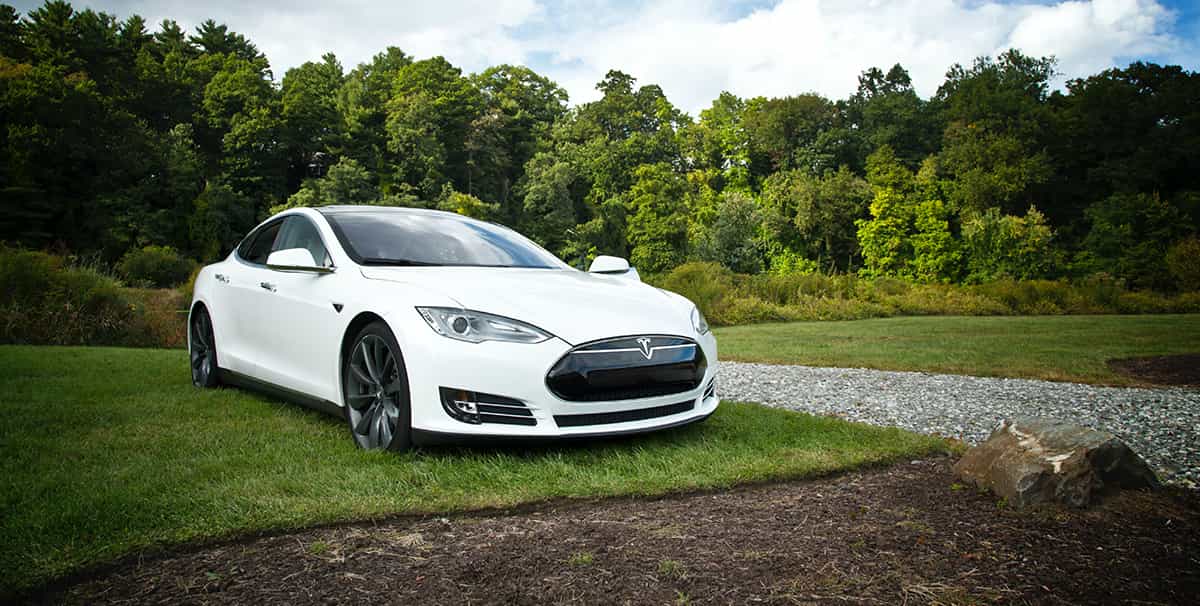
(695, 49)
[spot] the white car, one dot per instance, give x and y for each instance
(422, 326)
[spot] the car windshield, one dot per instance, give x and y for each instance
(390, 237)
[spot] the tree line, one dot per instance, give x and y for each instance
(116, 137)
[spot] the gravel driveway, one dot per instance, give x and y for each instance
(1162, 425)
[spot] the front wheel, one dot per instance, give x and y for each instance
(375, 390)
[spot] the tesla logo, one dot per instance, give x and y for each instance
(644, 343)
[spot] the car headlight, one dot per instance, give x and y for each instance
(476, 326)
(698, 321)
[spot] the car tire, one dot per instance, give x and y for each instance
(375, 391)
(202, 350)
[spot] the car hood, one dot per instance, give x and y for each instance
(573, 305)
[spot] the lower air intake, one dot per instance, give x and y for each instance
(623, 416)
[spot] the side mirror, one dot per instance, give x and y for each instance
(605, 264)
(296, 259)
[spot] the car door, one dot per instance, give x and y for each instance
(299, 327)
(241, 297)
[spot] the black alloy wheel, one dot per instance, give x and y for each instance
(202, 350)
(375, 387)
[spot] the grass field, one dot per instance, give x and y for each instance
(104, 451)
(1062, 348)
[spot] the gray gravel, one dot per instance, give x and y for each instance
(1162, 425)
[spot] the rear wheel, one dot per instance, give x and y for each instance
(202, 350)
(375, 390)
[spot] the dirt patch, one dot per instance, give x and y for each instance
(905, 534)
(1183, 369)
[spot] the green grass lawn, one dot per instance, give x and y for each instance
(1065, 348)
(104, 451)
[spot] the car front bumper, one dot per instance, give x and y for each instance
(518, 371)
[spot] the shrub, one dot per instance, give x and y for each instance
(1006, 246)
(47, 301)
(827, 308)
(872, 289)
(156, 266)
(1183, 261)
(1187, 303)
(1143, 302)
(187, 289)
(161, 320)
(728, 298)
(931, 300)
(706, 284)
(751, 310)
(730, 239)
(784, 261)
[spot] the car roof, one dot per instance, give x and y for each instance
(337, 209)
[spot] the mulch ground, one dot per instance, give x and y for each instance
(1181, 369)
(906, 534)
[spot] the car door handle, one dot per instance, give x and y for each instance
(267, 286)
(222, 278)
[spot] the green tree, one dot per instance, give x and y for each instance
(658, 228)
(885, 238)
(220, 216)
(429, 118)
(720, 143)
(468, 205)
(362, 105)
(937, 255)
(815, 216)
(312, 124)
(522, 106)
(1183, 261)
(885, 110)
(732, 238)
(1128, 238)
(550, 203)
(998, 125)
(1006, 246)
(785, 133)
(1131, 130)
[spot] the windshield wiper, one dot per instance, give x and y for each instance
(395, 262)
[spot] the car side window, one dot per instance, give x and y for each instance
(299, 232)
(256, 248)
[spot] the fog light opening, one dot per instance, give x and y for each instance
(461, 405)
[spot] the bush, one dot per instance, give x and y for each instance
(727, 298)
(1143, 302)
(931, 300)
(751, 310)
(826, 308)
(188, 288)
(47, 301)
(707, 284)
(155, 266)
(1183, 261)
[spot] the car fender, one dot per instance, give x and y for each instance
(399, 313)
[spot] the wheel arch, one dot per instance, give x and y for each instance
(362, 319)
(197, 304)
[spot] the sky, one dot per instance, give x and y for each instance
(694, 49)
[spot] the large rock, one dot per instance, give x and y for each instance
(1029, 460)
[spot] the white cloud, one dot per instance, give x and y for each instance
(809, 45)
(694, 48)
(470, 34)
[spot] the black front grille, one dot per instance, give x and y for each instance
(628, 368)
(623, 416)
